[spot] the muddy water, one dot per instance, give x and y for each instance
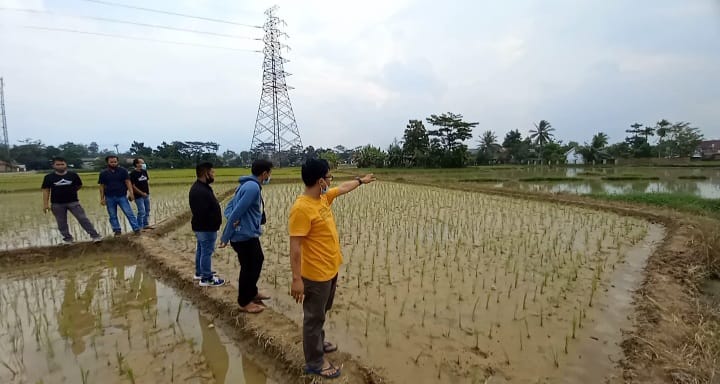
(106, 319)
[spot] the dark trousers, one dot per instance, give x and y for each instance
(60, 211)
(250, 256)
(319, 297)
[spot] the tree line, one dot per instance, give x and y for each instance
(443, 145)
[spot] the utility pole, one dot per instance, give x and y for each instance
(3, 119)
(276, 132)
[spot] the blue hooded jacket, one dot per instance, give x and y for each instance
(244, 208)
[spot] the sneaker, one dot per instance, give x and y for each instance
(198, 277)
(137, 232)
(68, 241)
(97, 239)
(118, 233)
(215, 282)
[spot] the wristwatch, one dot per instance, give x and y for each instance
(359, 180)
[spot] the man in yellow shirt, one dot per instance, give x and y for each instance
(315, 259)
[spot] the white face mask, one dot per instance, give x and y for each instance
(266, 181)
(143, 166)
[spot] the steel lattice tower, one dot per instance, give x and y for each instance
(276, 132)
(3, 120)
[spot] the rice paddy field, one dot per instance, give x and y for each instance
(449, 286)
(437, 286)
(25, 224)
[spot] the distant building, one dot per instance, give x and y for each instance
(11, 167)
(709, 149)
(574, 157)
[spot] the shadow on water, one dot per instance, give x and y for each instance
(107, 319)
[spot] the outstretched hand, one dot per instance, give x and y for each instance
(369, 178)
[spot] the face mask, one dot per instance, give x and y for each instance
(210, 179)
(323, 190)
(144, 166)
(266, 181)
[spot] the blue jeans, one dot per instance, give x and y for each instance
(143, 206)
(203, 254)
(112, 203)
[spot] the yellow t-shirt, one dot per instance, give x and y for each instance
(313, 220)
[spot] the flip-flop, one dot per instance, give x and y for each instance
(324, 373)
(261, 296)
(260, 302)
(329, 347)
(257, 309)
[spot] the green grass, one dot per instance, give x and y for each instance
(681, 202)
(19, 182)
(540, 178)
(629, 178)
(482, 180)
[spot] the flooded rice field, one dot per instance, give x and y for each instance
(106, 318)
(449, 286)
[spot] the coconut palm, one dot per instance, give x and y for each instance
(542, 134)
(599, 141)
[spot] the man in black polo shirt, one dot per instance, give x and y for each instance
(61, 189)
(115, 188)
(139, 180)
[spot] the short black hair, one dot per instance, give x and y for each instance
(58, 158)
(202, 168)
(137, 160)
(314, 170)
(261, 165)
(108, 157)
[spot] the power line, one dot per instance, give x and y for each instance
(112, 4)
(36, 11)
(139, 38)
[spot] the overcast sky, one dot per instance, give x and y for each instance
(361, 69)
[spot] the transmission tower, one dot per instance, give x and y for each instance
(3, 120)
(276, 132)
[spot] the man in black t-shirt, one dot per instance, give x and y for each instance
(139, 180)
(61, 189)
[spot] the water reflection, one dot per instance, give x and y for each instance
(704, 189)
(112, 317)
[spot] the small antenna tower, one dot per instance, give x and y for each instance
(3, 120)
(276, 132)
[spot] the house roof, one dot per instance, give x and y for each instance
(708, 144)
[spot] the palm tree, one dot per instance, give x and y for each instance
(542, 134)
(595, 152)
(488, 141)
(600, 140)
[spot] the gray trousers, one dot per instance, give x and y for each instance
(319, 298)
(60, 211)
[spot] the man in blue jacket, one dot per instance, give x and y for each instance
(245, 214)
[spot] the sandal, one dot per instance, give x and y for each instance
(261, 296)
(330, 372)
(252, 308)
(329, 347)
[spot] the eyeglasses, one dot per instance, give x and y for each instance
(328, 178)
